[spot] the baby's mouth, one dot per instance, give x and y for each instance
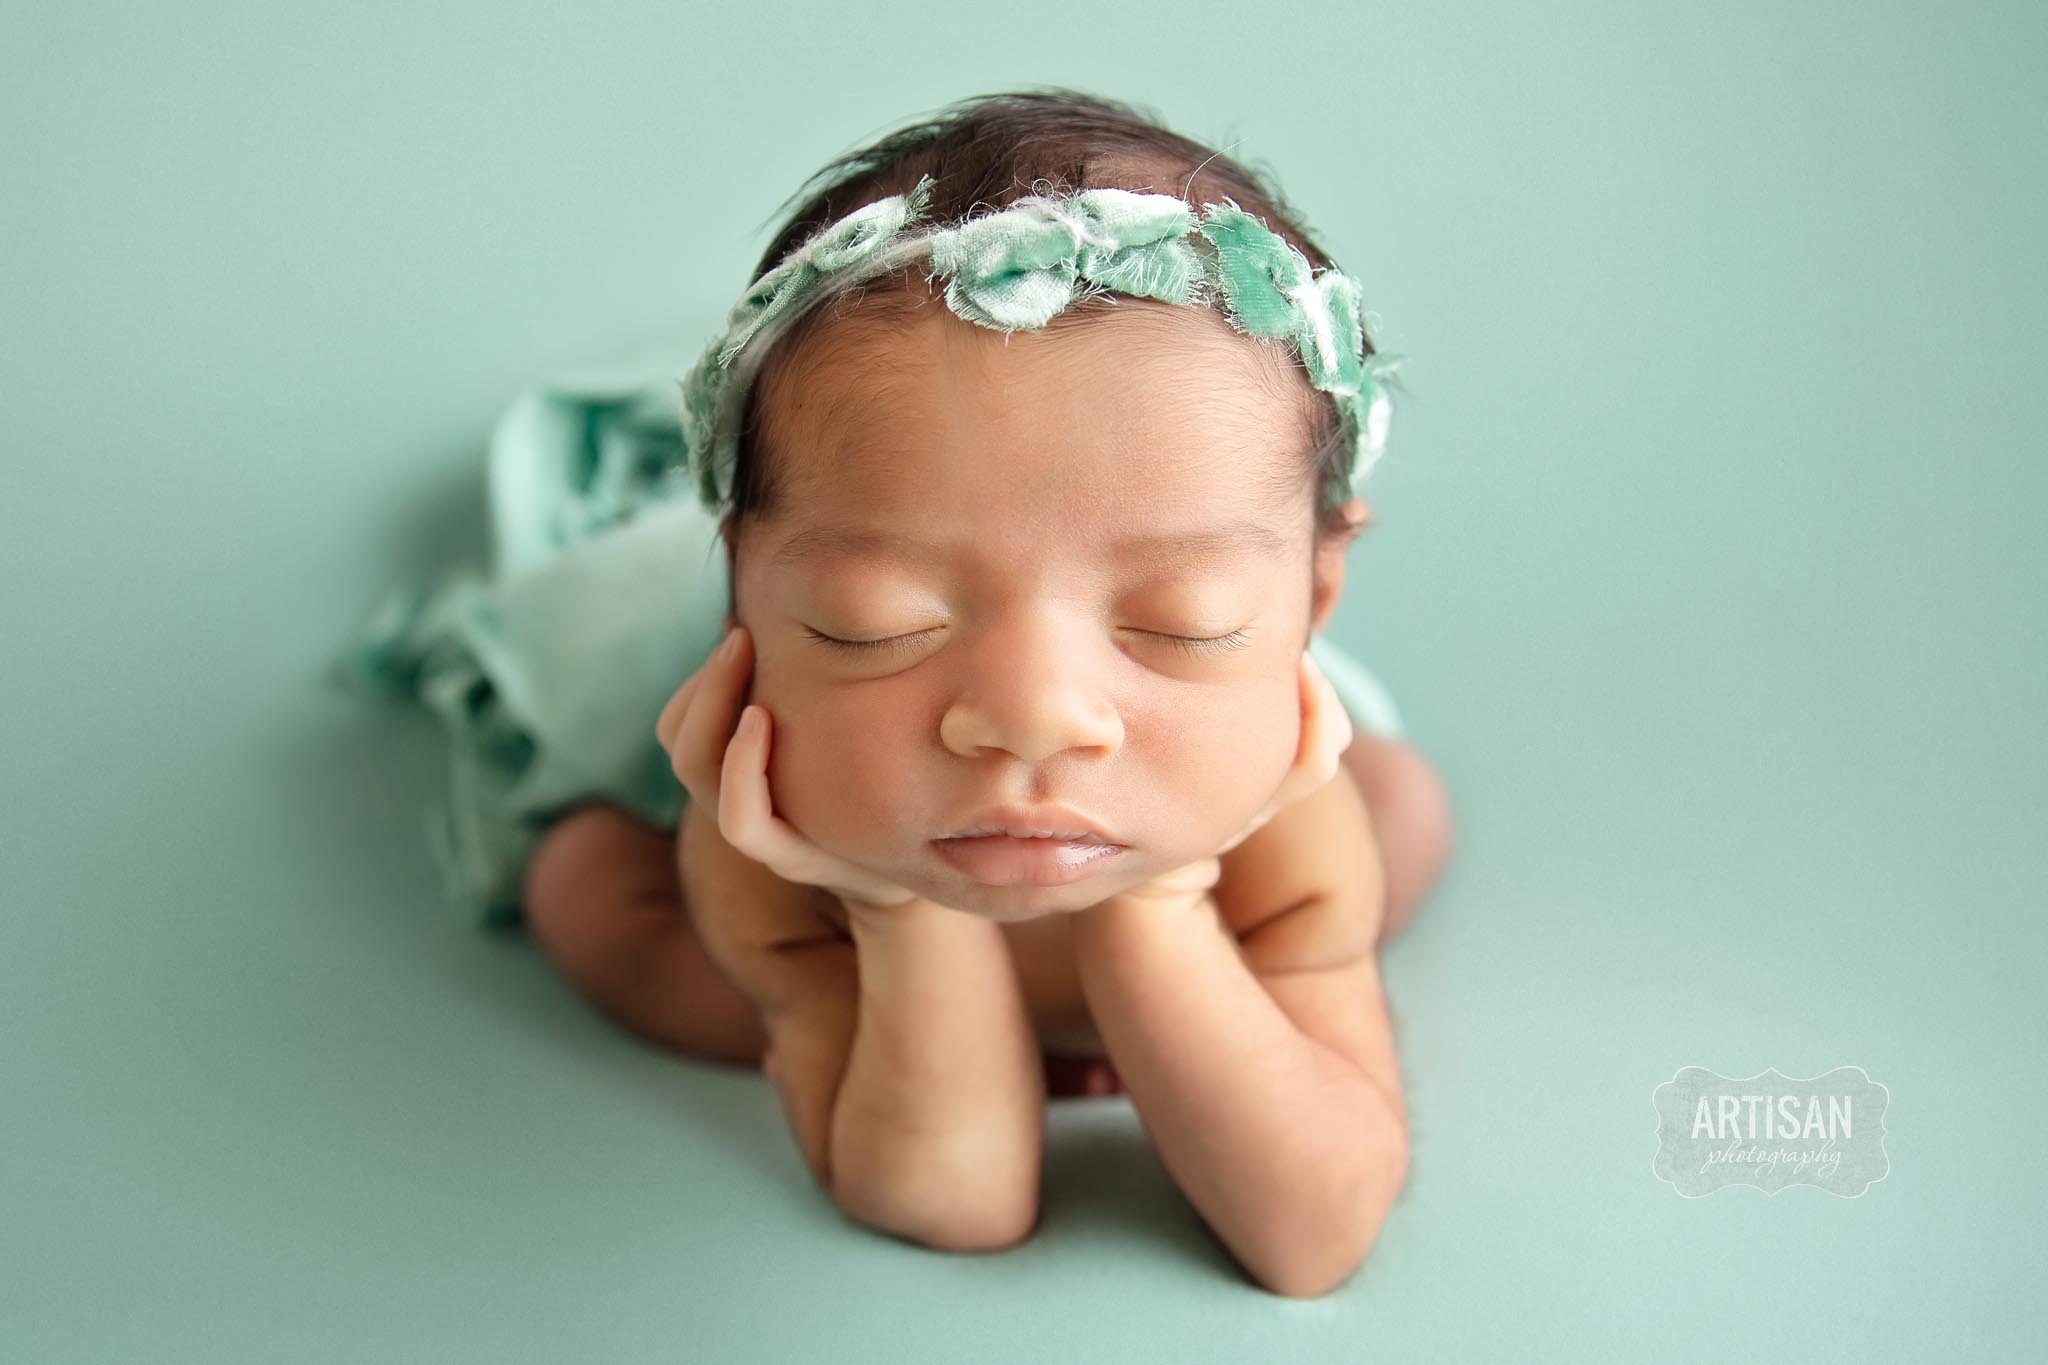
(1013, 860)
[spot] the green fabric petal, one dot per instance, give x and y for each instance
(1255, 266)
(1009, 270)
(1147, 258)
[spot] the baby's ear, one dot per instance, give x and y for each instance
(1332, 542)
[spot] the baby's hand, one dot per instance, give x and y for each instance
(725, 767)
(1326, 732)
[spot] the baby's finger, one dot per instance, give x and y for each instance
(710, 715)
(746, 810)
(1333, 728)
(672, 714)
(747, 819)
(1325, 734)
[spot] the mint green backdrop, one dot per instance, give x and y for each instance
(1709, 568)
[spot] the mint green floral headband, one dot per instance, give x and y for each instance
(1014, 269)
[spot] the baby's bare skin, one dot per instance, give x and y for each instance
(604, 901)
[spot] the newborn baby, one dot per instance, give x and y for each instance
(1014, 753)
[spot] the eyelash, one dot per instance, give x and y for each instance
(1187, 644)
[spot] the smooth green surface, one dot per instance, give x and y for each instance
(1709, 567)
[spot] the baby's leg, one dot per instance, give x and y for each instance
(604, 902)
(1411, 815)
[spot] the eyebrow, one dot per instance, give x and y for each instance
(1228, 540)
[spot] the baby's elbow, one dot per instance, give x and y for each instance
(997, 1230)
(942, 1220)
(1314, 1268)
(1308, 1283)
(1309, 1257)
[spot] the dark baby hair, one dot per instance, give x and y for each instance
(987, 151)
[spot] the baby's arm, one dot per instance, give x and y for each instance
(939, 1129)
(1250, 1030)
(904, 1053)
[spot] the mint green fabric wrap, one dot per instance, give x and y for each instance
(606, 589)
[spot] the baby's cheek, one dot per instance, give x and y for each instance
(1215, 759)
(838, 771)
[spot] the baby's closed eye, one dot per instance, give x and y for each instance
(1192, 642)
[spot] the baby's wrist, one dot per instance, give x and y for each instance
(920, 949)
(878, 920)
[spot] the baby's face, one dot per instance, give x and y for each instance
(1080, 561)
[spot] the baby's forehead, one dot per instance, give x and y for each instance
(1139, 402)
(1219, 544)
(1206, 514)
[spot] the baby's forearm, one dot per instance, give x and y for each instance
(1289, 1151)
(939, 1124)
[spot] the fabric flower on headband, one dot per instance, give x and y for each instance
(1016, 268)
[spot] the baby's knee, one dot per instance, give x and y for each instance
(596, 851)
(561, 855)
(1406, 795)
